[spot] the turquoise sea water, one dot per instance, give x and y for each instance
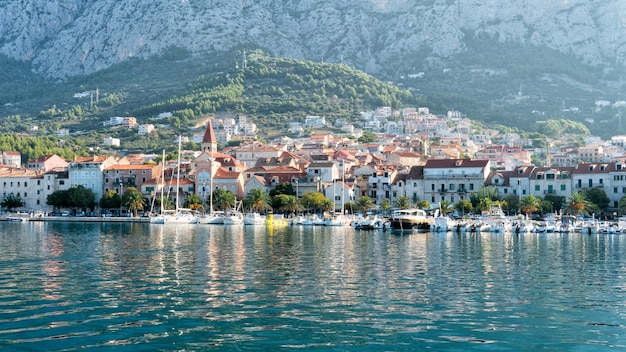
(140, 287)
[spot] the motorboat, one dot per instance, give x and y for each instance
(567, 224)
(337, 220)
(591, 227)
(523, 226)
(479, 226)
(369, 223)
(276, 220)
(410, 219)
(442, 224)
(253, 219)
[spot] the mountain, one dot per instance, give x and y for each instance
(75, 37)
(507, 62)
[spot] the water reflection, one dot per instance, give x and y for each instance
(71, 286)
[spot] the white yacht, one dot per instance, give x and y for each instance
(409, 219)
(254, 219)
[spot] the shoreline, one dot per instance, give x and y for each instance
(17, 217)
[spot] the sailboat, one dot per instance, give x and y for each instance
(179, 215)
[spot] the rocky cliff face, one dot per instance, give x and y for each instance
(72, 37)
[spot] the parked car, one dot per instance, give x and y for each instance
(65, 213)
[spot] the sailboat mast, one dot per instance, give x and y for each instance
(211, 184)
(343, 181)
(178, 172)
(162, 181)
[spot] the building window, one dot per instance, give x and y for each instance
(563, 188)
(537, 188)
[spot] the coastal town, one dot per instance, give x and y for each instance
(424, 157)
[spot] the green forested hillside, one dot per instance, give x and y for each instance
(270, 91)
(273, 91)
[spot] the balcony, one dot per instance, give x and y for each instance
(453, 177)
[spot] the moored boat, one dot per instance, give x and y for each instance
(369, 223)
(410, 219)
(442, 224)
(254, 219)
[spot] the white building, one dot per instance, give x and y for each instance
(315, 121)
(11, 158)
(88, 172)
(145, 129)
(110, 141)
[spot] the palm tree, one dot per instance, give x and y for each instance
(385, 205)
(193, 202)
(530, 204)
(423, 204)
(257, 200)
(290, 204)
(578, 204)
(622, 204)
(463, 206)
(445, 207)
(223, 199)
(364, 204)
(402, 202)
(11, 202)
(133, 200)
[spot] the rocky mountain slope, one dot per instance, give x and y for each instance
(63, 38)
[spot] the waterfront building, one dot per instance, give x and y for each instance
(453, 179)
(24, 184)
(88, 172)
(120, 177)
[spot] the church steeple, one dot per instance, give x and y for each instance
(209, 143)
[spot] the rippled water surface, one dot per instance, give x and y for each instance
(140, 287)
